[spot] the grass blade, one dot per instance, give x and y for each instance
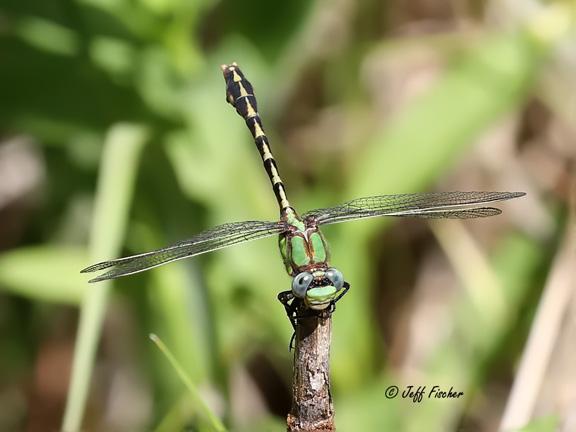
(215, 422)
(119, 164)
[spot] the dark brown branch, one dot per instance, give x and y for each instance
(311, 399)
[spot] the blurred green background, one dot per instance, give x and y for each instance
(115, 138)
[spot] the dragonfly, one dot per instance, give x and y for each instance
(316, 285)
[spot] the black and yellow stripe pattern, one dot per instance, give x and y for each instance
(240, 94)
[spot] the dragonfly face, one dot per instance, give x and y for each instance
(318, 288)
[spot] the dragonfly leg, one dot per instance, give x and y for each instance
(291, 306)
(300, 311)
(344, 291)
(330, 310)
(291, 343)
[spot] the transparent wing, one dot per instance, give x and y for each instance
(216, 238)
(452, 205)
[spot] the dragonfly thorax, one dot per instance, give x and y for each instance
(302, 250)
(303, 247)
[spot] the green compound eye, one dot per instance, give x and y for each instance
(336, 277)
(300, 284)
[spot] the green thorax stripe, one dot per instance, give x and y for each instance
(240, 94)
(299, 251)
(319, 252)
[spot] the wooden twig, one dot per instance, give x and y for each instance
(311, 399)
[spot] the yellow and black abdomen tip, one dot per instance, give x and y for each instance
(239, 91)
(240, 94)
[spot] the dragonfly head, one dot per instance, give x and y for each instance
(318, 288)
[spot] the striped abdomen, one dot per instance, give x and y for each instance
(240, 94)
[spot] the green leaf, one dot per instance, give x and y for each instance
(45, 273)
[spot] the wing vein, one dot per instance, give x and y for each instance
(207, 241)
(455, 205)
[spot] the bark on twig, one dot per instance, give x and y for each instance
(311, 399)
